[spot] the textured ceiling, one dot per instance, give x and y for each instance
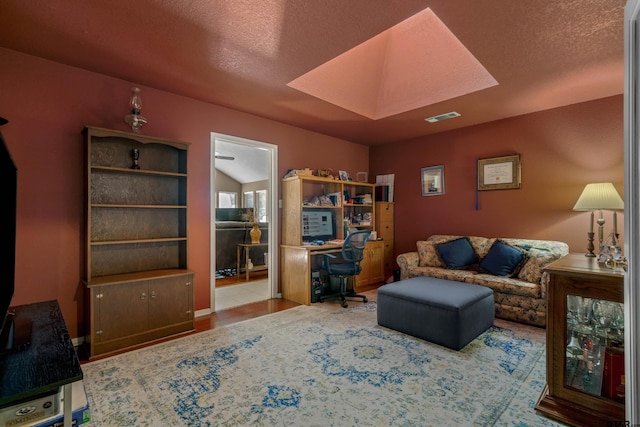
(243, 53)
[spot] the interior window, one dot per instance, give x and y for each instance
(227, 199)
(247, 199)
(261, 205)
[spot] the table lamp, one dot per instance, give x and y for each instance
(599, 196)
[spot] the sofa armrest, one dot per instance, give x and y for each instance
(407, 261)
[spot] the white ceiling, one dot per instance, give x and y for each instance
(249, 164)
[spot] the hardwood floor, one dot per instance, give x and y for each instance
(257, 309)
(233, 280)
(243, 312)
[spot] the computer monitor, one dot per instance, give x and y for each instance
(318, 224)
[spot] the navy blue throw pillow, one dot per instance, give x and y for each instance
(503, 259)
(458, 253)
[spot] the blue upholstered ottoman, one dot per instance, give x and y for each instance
(441, 311)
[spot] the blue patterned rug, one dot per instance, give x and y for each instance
(318, 366)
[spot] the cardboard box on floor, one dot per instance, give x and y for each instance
(79, 407)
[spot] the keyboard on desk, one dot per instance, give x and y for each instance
(334, 242)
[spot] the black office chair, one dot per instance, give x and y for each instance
(352, 253)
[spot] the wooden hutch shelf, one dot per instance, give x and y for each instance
(138, 285)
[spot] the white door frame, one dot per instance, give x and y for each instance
(272, 238)
(632, 208)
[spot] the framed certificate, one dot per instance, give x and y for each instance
(499, 173)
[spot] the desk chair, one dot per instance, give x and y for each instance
(352, 253)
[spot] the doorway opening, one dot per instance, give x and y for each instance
(243, 191)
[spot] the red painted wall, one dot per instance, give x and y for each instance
(48, 104)
(561, 151)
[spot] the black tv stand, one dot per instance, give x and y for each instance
(16, 335)
(47, 364)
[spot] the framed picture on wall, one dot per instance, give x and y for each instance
(499, 173)
(433, 181)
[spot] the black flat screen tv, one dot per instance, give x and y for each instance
(8, 195)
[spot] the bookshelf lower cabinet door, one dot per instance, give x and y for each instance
(129, 313)
(120, 310)
(170, 301)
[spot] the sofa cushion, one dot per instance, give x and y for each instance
(481, 244)
(503, 259)
(538, 259)
(428, 254)
(457, 253)
(442, 273)
(506, 285)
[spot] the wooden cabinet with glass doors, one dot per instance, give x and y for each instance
(585, 343)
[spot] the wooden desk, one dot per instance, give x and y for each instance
(48, 363)
(297, 262)
(247, 247)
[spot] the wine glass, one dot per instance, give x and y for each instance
(583, 314)
(573, 307)
(603, 314)
(617, 322)
(617, 325)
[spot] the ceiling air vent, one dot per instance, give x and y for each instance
(442, 117)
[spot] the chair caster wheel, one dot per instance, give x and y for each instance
(344, 304)
(365, 300)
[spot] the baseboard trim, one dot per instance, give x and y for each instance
(204, 312)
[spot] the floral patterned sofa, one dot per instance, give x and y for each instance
(519, 296)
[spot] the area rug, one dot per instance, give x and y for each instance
(318, 366)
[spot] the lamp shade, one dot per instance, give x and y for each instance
(597, 196)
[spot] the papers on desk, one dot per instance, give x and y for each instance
(334, 242)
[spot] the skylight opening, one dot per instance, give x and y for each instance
(413, 64)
